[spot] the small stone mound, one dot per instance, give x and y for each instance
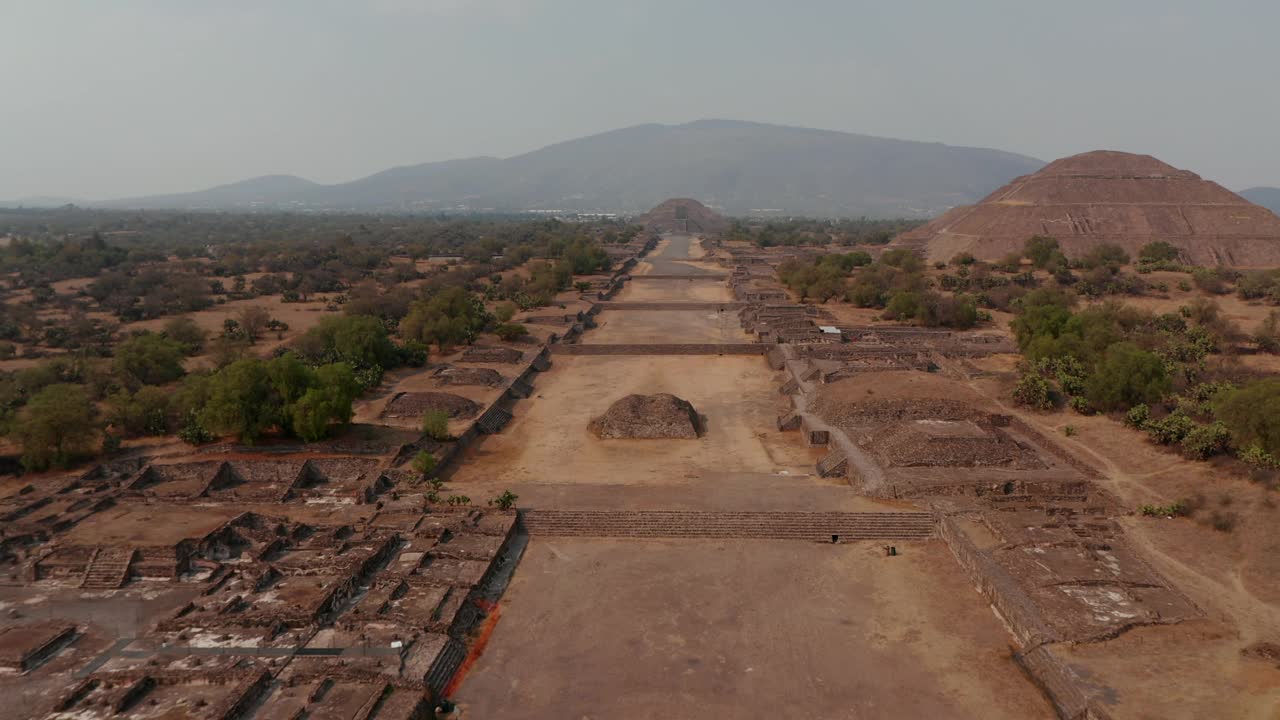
(648, 417)
(414, 404)
(468, 376)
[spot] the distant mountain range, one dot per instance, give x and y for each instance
(737, 168)
(1267, 197)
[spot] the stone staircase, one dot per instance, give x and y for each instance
(833, 464)
(808, 526)
(108, 568)
(492, 422)
(521, 389)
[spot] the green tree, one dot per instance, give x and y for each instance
(1252, 414)
(326, 404)
(150, 359)
(361, 340)
(1044, 252)
(452, 316)
(240, 401)
(1127, 376)
(145, 412)
(56, 425)
(186, 331)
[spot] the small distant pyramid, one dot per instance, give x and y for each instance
(683, 215)
(1108, 197)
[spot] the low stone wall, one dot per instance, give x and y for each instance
(1063, 687)
(998, 587)
(661, 349)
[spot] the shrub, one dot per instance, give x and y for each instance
(459, 500)
(1257, 457)
(1137, 416)
(1081, 405)
(1033, 391)
(1069, 430)
(424, 462)
(1205, 441)
(435, 424)
(1127, 376)
(963, 258)
(1184, 286)
(192, 432)
(504, 311)
(1223, 521)
(1211, 280)
(511, 331)
(1252, 414)
(1159, 251)
(1268, 334)
(1179, 509)
(505, 501)
(1106, 255)
(1170, 429)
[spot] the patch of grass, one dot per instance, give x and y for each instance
(1178, 509)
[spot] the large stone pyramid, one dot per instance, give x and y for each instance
(683, 215)
(1108, 197)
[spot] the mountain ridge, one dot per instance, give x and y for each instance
(732, 165)
(1267, 197)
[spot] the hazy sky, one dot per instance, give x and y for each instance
(111, 98)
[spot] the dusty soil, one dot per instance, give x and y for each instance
(746, 629)
(675, 290)
(614, 327)
(1163, 673)
(548, 441)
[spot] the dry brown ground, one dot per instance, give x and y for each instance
(675, 290)
(549, 457)
(624, 327)
(595, 628)
(549, 442)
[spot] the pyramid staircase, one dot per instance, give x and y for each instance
(108, 568)
(833, 464)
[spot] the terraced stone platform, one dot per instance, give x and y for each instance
(807, 526)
